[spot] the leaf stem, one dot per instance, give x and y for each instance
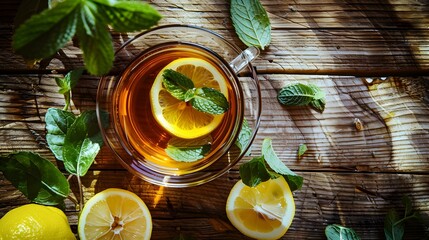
(404, 219)
(67, 98)
(79, 182)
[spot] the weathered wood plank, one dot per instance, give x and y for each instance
(395, 135)
(357, 200)
(329, 37)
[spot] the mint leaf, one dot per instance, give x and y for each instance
(318, 103)
(209, 100)
(188, 150)
(69, 81)
(301, 150)
(43, 34)
(244, 135)
(294, 181)
(57, 124)
(187, 154)
(337, 232)
(82, 143)
(126, 16)
(95, 40)
(177, 84)
(254, 172)
(394, 225)
(297, 94)
(37, 178)
(251, 22)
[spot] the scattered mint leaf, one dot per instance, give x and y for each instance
(294, 181)
(394, 225)
(209, 100)
(254, 172)
(187, 154)
(319, 101)
(301, 150)
(251, 22)
(45, 33)
(127, 16)
(318, 105)
(82, 143)
(177, 84)
(36, 177)
(57, 124)
(27, 8)
(297, 94)
(244, 135)
(338, 232)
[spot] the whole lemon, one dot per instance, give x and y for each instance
(35, 222)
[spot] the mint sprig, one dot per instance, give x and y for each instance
(45, 33)
(338, 232)
(299, 94)
(67, 83)
(255, 171)
(207, 100)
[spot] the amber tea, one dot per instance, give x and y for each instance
(143, 127)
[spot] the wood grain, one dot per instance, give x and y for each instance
(370, 57)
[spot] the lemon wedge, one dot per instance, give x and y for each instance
(177, 117)
(115, 214)
(262, 212)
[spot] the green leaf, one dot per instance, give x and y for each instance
(394, 226)
(294, 181)
(82, 143)
(318, 105)
(43, 34)
(338, 232)
(187, 154)
(28, 8)
(301, 150)
(57, 124)
(393, 230)
(69, 81)
(297, 94)
(251, 22)
(185, 150)
(244, 135)
(37, 178)
(209, 100)
(319, 101)
(177, 84)
(95, 40)
(126, 16)
(254, 172)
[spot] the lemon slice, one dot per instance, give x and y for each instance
(262, 212)
(115, 214)
(177, 117)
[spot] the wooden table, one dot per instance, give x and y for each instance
(370, 57)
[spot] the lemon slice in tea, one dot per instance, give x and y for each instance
(262, 212)
(177, 117)
(115, 214)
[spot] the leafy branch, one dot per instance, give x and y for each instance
(45, 33)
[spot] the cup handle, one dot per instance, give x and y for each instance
(244, 58)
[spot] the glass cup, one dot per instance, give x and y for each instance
(136, 139)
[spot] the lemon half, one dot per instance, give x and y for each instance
(115, 214)
(177, 117)
(262, 212)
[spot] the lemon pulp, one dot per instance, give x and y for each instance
(177, 117)
(262, 212)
